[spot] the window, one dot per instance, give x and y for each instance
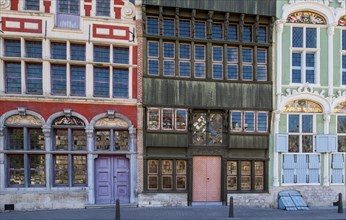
(200, 30)
(103, 8)
(166, 119)
(207, 128)
(304, 43)
(111, 139)
(58, 51)
(153, 26)
(217, 31)
(338, 158)
(153, 58)
(58, 79)
(101, 54)
(166, 174)
(232, 63)
(26, 169)
(233, 32)
(168, 59)
(121, 55)
(249, 121)
(68, 14)
(34, 78)
(300, 133)
(184, 28)
(247, 64)
(168, 27)
(101, 82)
(77, 84)
(13, 78)
(184, 60)
(262, 35)
(247, 33)
(33, 49)
(120, 83)
(199, 61)
(217, 62)
(77, 52)
(12, 48)
(343, 58)
(341, 131)
(262, 65)
(245, 175)
(33, 5)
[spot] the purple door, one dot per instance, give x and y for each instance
(112, 179)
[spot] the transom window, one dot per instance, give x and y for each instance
(111, 140)
(200, 29)
(153, 25)
(247, 33)
(33, 5)
(184, 28)
(262, 35)
(103, 7)
(248, 121)
(233, 32)
(207, 128)
(217, 31)
(168, 27)
(166, 119)
(300, 133)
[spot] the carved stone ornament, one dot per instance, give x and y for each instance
(306, 17)
(5, 4)
(23, 120)
(306, 88)
(303, 106)
(111, 122)
(65, 120)
(128, 11)
(340, 108)
(342, 21)
(324, 2)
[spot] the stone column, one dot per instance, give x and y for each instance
(276, 164)
(49, 158)
(2, 159)
(330, 59)
(279, 29)
(133, 165)
(326, 181)
(90, 165)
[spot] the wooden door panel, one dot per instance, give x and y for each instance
(213, 165)
(199, 180)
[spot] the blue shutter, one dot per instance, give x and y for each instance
(333, 143)
(314, 161)
(326, 143)
(288, 176)
(288, 161)
(281, 143)
(337, 161)
(337, 176)
(314, 176)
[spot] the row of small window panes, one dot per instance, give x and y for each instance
(61, 170)
(167, 171)
(199, 57)
(249, 121)
(167, 119)
(33, 49)
(301, 73)
(304, 37)
(33, 80)
(111, 140)
(247, 171)
(200, 32)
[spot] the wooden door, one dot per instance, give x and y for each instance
(206, 179)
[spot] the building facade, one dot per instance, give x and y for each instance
(310, 100)
(206, 102)
(68, 103)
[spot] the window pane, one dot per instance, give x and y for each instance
(13, 77)
(184, 69)
(261, 56)
(249, 121)
(168, 50)
(153, 67)
(167, 119)
(247, 34)
(199, 70)
(37, 170)
(310, 67)
(77, 52)
(236, 121)
(181, 167)
(297, 37)
(34, 78)
(296, 68)
(262, 122)
(12, 48)
(32, 5)
(233, 32)
(307, 144)
(311, 36)
(152, 182)
(153, 166)
(232, 54)
(342, 144)
(74, 7)
(153, 26)
(167, 167)
(344, 39)
(181, 182)
(120, 83)
(199, 125)
(79, 169)
(101, 82)
(16, 166)
(36, 139)
(184, 51)
(102, 8)
(247, 55)
(58, 75)
(262, 73)
(16, 139)
(61, 170)
(153, 50)
(215, 128)
(77, 80)
(168, 27)
(200, 52)
(153, 119)
(121, 55)
(217, 71)
(102, 140)
(184, 28)
(247, 72)
(217, 53)
(61, 139)
(307, 121)
(180, 119)
(122, 140)
(167, 183)
(341, 124)
(343, 80)
(262, 35)
(58, 51)
(217, 33)
(33, 49)
(79, 140)
(232, 72)
(101, 54)
(293, 143)
(200, 30)
(232, 183)
(293, 121)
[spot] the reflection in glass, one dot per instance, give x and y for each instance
(152, 182)
(199, 128)
(231, 167)
(181, 167)
(293, 143)
(61, 139)
(153, 119)
(79, 169)
(259, 183)
(180, 119)
(181, 182)
(16, 138)
(79, 140)
(102, 140)
(307, 123)
(293, 121)
(245, 168)
(246, 183)
(307, 143)
(342, 144)
(152, 166)
(232, 183)
(36, 139)
(61, 170)
(37, 169)
(16, 169)
(341, 124)
(167, 119)
(167, 166)
(236, 121)
(215, 128)
(122, 140)
(258, 168)
(167, 182)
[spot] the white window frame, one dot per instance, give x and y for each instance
(159, 119)
(184, 60)
(172, 117)
(342, 53)
(169, 59)
(175, 119)
(218, 62)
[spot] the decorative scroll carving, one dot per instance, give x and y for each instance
(340, 108)
(306, 17)
(128, 11)
(5, 4)
(342, 21)
(303, 106)
(65, 120)
(324, 2)
(111, 122)
(23, 120)
(306, 88)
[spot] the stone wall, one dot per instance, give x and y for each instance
(162, 199)
(29, 201)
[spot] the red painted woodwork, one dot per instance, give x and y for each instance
(22, 22)
(87, 9)
(118, 2)
(134, 56)
(117, 12)
(89, 111)
(111, 29)
(134, 83)
(47, 5)
(14, 5)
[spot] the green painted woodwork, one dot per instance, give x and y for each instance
(286, 36)
(248, 141)
(319, 124)
(337, 58)
(283, 124)
(248, 154)
(164, 152)
(332, 124)
(166, 139)
(323, 57)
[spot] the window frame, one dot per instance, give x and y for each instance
(217, 62)
(242, 128)
(343, 58)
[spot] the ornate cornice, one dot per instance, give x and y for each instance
(305, 88)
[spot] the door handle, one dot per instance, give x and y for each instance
(207, 178)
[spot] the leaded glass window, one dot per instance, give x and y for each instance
(180, 119)
(217, 31)
(34, 78)
(12, 48)
(120, 83)
(341, 131)
(121, 55)
(247, 64)
(300, 133)
(262, 35)
(232, 63)
(103, 7)
(153, 120)
(200, 29)
(249, 121)
(77, 52)
(215, 128)
(184, 60)
(184, 28)
(153, 25)
(217, 62)
(33, 49)
(262, 72)
(168, 27)
(101, 82)
(207, 128)
(200, 61)
(153, 58)
(101, 54)
(33, 5)
(167, 119)
(199, 128)
(13, 78)
(58, 51)
(58, 79)
(233, 32)
(77, 81)
(168, 59)
(247, 33)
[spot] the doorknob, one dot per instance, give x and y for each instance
(207, 178)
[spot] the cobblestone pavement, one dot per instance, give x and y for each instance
(176, 213)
